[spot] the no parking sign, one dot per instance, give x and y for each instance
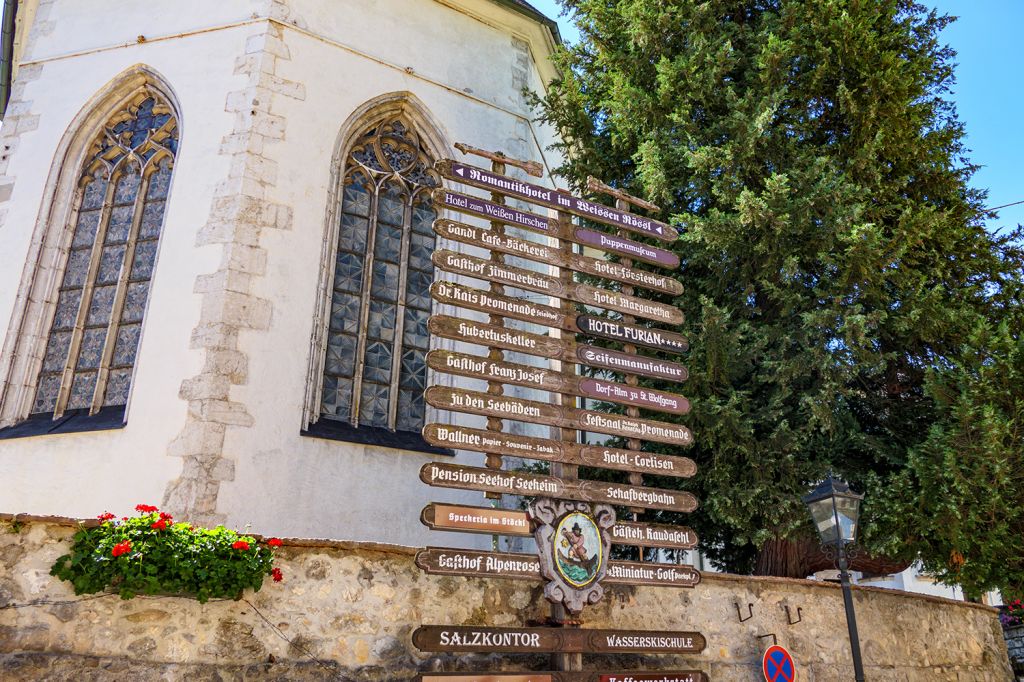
(778, 665)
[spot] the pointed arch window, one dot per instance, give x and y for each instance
(116, 218)
(374, 370)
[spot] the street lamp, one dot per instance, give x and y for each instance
(836, 512)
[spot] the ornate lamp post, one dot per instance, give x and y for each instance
(836, 512)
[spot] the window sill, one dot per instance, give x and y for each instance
(329, 429)
(73, 421)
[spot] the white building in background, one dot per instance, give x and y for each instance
(208, 212)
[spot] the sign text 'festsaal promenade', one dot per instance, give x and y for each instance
(569, 514)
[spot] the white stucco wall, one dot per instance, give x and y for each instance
(344, 53)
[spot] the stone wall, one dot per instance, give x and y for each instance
(346, 611)
(1015, 645)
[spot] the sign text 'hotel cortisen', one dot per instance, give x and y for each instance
(617, 318)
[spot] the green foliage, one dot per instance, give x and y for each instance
(834, 256)
(963, 483)
(141, 555)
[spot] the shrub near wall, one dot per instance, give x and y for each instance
(346, 611)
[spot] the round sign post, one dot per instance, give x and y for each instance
(777, 665)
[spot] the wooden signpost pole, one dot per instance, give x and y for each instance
(559, 614)
(496, 388)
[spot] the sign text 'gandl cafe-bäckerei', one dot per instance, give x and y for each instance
(616, 318)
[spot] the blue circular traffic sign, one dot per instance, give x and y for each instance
(778, 665)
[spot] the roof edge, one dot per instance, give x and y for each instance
(533, 13)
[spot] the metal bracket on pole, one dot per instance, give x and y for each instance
(799, 615)
(775, 640)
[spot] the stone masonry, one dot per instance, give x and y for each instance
(346, 611)
(238, 217)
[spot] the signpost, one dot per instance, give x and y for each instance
(573, 521)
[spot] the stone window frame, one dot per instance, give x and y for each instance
(36, 302)
(405, 107)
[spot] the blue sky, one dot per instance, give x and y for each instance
(989, 92)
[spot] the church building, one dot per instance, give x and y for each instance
(215, 250)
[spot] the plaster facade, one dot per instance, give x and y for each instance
(265, 91)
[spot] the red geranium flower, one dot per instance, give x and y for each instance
(274, 542)
(159, 525)
(276, 573)
(240, 544)
(145, 508)
(105, 516)
(164, 516)
(121, 548)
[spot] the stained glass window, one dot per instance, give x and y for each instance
(117, 216)
(375, 367)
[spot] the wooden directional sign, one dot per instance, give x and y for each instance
(537, 313)
(476, 402)
(625, 676)
(556, 382)
(479, 440)
(495, 336)
(627, 333)
(491, 521)
(549, 226)
(517, 483)
(478, 564)
(653, 535)
(481, 268)
(535, 194)
(487, 520)
(466, 203)
(628, 363)
(626, 247)
(513, 640)
(486, 239)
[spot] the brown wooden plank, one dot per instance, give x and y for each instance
(551, 198)
(548, 450)
(462, 477)
(535, 412)
(526, 310)
(496, 521)
(519, 640)
(567, 350)
(475, 367)
(521, 278)
(466, 519)
(470, 563)
(549, 255)
(589, 676)
(602, 241)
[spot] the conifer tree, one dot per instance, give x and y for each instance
(834, 257)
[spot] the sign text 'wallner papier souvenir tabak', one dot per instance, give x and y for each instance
(572, 521)
(549, 450)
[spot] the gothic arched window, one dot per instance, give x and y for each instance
(374, 370)
(118, 211)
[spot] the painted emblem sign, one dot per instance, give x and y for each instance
(578, 551)
(777, 665)
(573, 543)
